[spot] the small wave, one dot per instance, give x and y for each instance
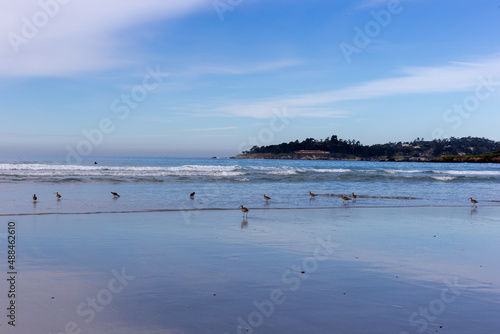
(443, 178)
(44, 170)
(467, 173)
(336, 170)
(285, 170)
(395, 171)
(282, 172)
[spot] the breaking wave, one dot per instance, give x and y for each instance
(36, 172)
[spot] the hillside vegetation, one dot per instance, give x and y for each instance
(466, 149)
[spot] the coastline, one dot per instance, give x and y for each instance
(190, 211)
(295, 156)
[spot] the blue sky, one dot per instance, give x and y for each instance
(212, 78)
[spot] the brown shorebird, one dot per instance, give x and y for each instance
(354, 196)
(34, 197)
(244, 210)
(115, 195)
(312, 195)
(267, 198)
(192, 194)
(345, 198)
(473, 201)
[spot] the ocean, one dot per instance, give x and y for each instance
(155, 184)
(155, 260)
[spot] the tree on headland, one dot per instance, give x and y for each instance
(418, 148)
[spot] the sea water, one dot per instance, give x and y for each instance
(148, 184)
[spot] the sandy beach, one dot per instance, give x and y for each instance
(345, 270)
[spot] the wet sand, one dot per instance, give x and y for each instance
(342, 270)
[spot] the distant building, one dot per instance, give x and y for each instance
(311, 152)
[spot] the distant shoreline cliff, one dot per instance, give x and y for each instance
(459, 150)
(491, 158)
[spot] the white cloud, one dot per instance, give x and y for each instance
(457, 77)
(75, 36)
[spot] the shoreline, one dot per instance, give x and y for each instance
(457, 160)
(250, 208)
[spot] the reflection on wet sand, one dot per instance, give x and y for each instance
(244, 223)
(385, 264)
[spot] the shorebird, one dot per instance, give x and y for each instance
(34, 197)
(312, 195)
(345, 198)
(354, 196)
(192, 194)
(244, 210)
(58, 195)
(115, 195)
(267, 198)
(473, 201)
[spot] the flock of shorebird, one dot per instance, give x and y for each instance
(58, 196)
(344, 198)
(266, 198)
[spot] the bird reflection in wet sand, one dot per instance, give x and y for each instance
(244, 223)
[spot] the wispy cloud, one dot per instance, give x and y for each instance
(242, 69)
(454, 77)
(63, 39)
(216, 129)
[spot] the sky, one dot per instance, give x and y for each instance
(197, 78)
